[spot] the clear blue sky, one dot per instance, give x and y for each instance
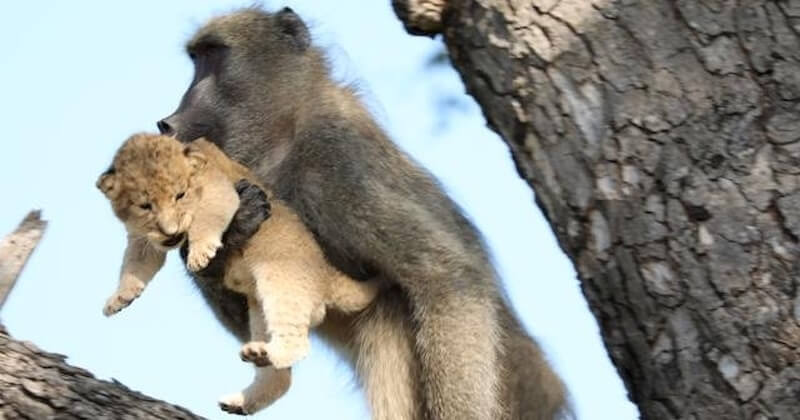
(77, 77)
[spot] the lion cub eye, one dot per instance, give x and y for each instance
(145, 206)
(180, 195)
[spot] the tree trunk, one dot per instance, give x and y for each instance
(37, 385)
(661, 139)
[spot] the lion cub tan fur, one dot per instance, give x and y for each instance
(166, 192)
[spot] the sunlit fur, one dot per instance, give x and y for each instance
(188, 191)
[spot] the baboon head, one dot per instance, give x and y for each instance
(250, 69)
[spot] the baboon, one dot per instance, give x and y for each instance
(442, 342)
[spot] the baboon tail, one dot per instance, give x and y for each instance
(385, 358)
(532, 390)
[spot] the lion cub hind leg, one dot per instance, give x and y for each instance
(219, 204)
(255, 350)
(268, 385)
(286, 293)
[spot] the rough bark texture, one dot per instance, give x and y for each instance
(661, 139)
(16, 248)
(37, 385)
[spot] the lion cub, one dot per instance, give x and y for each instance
(167, 192)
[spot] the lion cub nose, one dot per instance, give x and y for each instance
(168, 229)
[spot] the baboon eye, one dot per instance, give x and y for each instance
(180, 195)
(145, 206)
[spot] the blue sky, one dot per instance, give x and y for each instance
(78, 77)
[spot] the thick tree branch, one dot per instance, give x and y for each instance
(38, 385)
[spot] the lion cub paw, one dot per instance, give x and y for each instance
(233, 404)
(122, 298)
(201, 252)
(256, 353)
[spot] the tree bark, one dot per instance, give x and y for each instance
(16, 248)
(661, 139)
(37, 385)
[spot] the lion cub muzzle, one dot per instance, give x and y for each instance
(174, 240)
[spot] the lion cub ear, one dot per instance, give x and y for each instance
(107, 183)
(197, 159)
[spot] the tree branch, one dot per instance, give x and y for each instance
(16, 248)
(420, 17)
(38, 385)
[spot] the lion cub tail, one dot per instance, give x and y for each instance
(349, 295)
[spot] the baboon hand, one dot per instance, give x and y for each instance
(254, 202)
(122, 298)
(254, 208)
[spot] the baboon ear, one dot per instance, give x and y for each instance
(295, 30)
(107, 183)
(197, 159)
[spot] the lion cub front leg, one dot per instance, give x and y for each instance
(140, 263)
(216, 209)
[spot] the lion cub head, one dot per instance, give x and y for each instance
(151, 187)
